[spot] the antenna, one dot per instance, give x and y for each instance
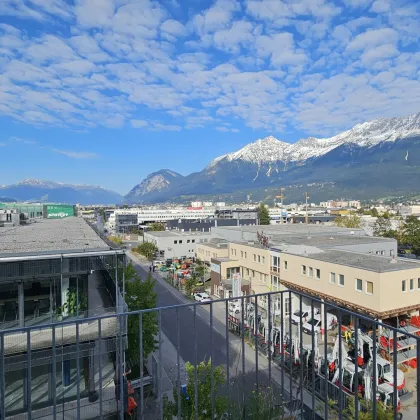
(306, 200)
(281, 196)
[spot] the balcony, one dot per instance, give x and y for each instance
(275, 269)
(211, 362)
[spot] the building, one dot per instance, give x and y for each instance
(380, 286)
(214, 248)
(55, 271)
(175, 244)
(9, 218)
(205, 225)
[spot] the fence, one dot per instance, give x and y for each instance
(246, 363)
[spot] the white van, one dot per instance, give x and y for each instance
(158, 262)
(315, 324)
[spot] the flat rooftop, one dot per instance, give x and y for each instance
(326, 241)
(50, 235)
(172, 233)
(293, 229)
(369, 262)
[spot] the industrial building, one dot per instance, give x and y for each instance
(54, 271)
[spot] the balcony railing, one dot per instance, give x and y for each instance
(214, 360)
(275, 269)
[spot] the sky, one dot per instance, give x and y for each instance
(106, 91)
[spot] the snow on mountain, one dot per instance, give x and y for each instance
(32, 182)
(368, 134)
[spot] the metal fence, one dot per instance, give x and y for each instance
(229, 358)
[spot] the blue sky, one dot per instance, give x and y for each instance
(107, 91)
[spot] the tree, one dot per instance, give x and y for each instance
(263, 215)
(140, 295)
(351, 221)
(204, 388)
(411, 233)
(147, 249)
(382, 225)
(156, 227)
(190, 284)
(201, 270)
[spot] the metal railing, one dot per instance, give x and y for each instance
(214, 360)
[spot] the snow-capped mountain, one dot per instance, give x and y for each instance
(154, 183)
(380, 155)
(368, 134)
(51, 191)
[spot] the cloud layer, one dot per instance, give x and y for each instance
(314, 65)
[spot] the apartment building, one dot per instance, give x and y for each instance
(214, 248)
(380, 286)
(53, 271)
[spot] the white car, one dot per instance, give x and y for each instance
(202, 297)
(235, 306)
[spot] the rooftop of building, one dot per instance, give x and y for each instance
(177, 233)
(369, 262)
(250, 244)
(295, 228)
(50, 236)
(327, 241)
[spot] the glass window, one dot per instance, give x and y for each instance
(180, 242)
(341, 279)
(303, 269)
(287, 306)
(175, 242)
(263, 260)
(359, 285)
(285, 265)
(242, 254)
(253, 273)
(311, 272)
(188, 241)
(259, 258)
(255, 257)
(411, 284)
(418, 283)
(192, 240)
(247, 271)
(332, 278)
(404, 285)
(318, 273)
(245, 254)
(369, 287)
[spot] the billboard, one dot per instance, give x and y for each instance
(236, 285)
(58, 211)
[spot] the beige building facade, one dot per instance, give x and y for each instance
(380, 286)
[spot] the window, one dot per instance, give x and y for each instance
(263, 260)
(332, 278)
(242, 254)
(311, 272)
(180, 242)
(255, 257)
(404, 285)
(245, 254)
(259, 258)
(303, 269)
(287, 306)
(285, 265)
(253, 273)
(341, 279)
(382, 252)
(247, 271)
(175, 242)
(192, 240)
(359, 285)
(188, 241)
(369, 287)
(411, 285)
(317, 273)
(418, 283)
(264, 277)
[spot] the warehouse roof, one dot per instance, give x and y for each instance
(50, 235)
(327, 241)
(368, 262)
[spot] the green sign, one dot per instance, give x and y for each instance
(59, 212)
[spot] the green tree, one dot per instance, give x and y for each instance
(411, 233)
(190, 284)
(140, 295)
(351, 221)
(201, 270)
(147, 249)
(263, 215)
(115, 239)
(382, 225)
(156, 227)
(204, 395)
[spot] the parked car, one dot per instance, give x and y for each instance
(202, 297)
(298, 317)
(235, 306)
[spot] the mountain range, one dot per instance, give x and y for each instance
(375, 159)
(57, 192)
(378, 158)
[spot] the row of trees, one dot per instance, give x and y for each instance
(146, 249)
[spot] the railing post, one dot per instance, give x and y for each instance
(2, 384)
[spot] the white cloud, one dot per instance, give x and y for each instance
(231, 39)
(373, 38)
(216, 17)
(2, 144)
(380, 6)
(76, 155)
(227, 129)
(173, 27)
(379, 53)
(155, 125)
(139, 123)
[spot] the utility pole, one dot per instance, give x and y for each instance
(306, 200)
(281, 196)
